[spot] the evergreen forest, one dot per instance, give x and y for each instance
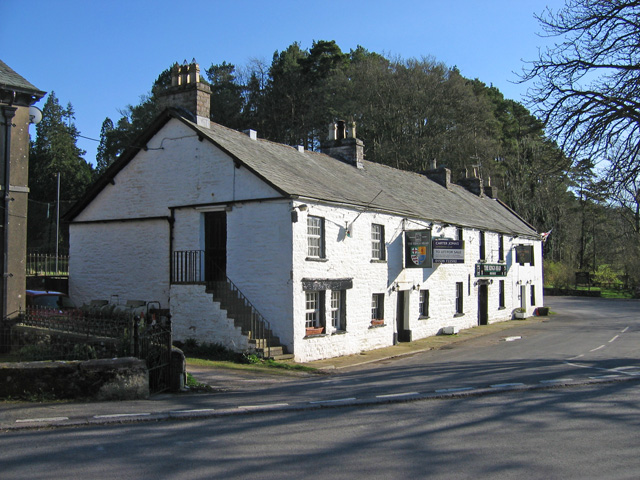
(409, 113)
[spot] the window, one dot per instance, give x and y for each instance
(377, 307)
(377, 242)
(459, 298)
(312, 310)
(482, 247)
(501, 294)
(501, 248)
(459, 233)
(315, 237)
(338, 304)
(424, 303)
(533, 294)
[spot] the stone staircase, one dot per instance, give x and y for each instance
(246, 317)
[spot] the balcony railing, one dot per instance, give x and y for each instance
(187, 266)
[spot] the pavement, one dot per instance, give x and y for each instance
(241, 386)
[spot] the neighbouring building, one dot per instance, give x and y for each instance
(17, 96)
(328, 254)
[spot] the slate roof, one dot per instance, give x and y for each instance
(10, 80)
(316, 176)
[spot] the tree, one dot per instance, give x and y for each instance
(54, 151)
(585, 87)
(103, 158)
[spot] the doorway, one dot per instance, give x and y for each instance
(402, 320)
(215, 246)
(483, 304)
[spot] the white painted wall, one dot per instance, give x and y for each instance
(127, 259)
(350, 257)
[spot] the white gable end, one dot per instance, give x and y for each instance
(176, 169)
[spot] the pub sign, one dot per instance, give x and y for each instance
(448, 251)
(491, 270)
(417, 249)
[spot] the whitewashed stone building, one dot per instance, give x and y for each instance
(328, 253)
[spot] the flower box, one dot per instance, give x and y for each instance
(314, 331)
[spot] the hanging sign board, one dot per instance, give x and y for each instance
(491, 270)
(448, 251)
(524, 254)
(417, 249)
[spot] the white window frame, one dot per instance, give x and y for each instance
(377, 306)
(424, 303)
(337, 305)
(315, 237)
(312, 309)
(377, 242)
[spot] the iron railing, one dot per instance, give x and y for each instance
(187, 266)
(47, 265)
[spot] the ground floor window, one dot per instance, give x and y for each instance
(424, 303)
(459, 298)
(338, 309)
(533, 295)
(377, 307)
(501, 299)
(313, 310)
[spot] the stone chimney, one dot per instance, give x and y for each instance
(188, 93)
(490, 191)
(440, 175)
(343, 144)
(472, 182)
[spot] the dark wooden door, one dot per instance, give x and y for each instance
(483, 304)
(215, 245)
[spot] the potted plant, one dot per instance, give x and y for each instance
(314, 330)
(520, 313)
(377, 322)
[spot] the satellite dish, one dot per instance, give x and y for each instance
(35, 115)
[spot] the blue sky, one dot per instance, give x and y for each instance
(103, 55)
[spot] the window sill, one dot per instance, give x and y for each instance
(459, 315)
(502, 308)
(318, 335)
(424, 317)
(376, 260)
(316, 259)
(377, 326)
(339, 332)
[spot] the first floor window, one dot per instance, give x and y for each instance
(315, 237)
(377, 306)
(459, 297)
(501, 294)
(312, 309)
(377, 242)
(424, 303)
(338, 309)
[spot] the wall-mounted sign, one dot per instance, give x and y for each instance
(524, 254)
(491, 270)
(448, 251)
(417, 249)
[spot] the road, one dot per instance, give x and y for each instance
(511, 405)
(582, 432)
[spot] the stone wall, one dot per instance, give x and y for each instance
(112, 379)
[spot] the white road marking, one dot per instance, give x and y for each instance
(449, 390)
(334, 401)
(505, 385)
(614, 339)
(576, 357)
(597, 348)
(511, 339)
(270, 405)
(604, 376)
(192, 411)
(625, 329)
(391, 395)
(122, 415)
(50, 419)
(557, 380)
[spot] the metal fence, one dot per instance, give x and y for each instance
(47, 265)
(46, 334)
